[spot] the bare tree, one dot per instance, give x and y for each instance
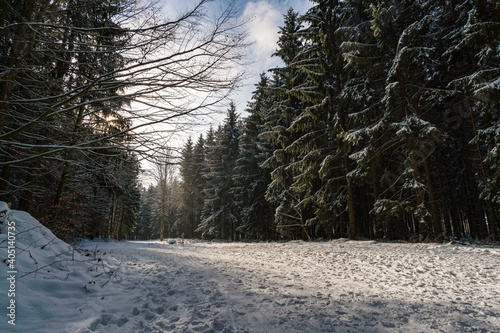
(164, 175)
(73, 81)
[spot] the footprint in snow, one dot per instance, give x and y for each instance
(122, 321)
(104, 321)
(173, 319)
(200, 315)
(135, 311)
(148, 315)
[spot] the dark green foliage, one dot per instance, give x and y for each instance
(191, 172)
(251, 181)
(282, 192)
(383, 123)
(220, 215)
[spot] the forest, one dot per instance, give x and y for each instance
(382, 123)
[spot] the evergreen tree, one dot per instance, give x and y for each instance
(198, 182)
(382, 123)
(322, 174)
(187, 167)
(472, 65)
(191, 171)
(220, 216)
(290, 217)
(143, 230)
(68, 72)
(256, 215)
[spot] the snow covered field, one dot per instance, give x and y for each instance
(339, 286)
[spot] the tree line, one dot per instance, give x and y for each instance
(382, 123)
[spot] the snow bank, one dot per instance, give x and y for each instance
(44, 283)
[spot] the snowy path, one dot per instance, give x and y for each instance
(298, 287)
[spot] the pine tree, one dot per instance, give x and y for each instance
(198, 182)
(191, 170)
(143, 230)
(187, 167)
(68, 72)
(323, 172)
(416, 150)
(472, 64)
(251, 181)
(290, 218)
(220, 216)
(362, 93)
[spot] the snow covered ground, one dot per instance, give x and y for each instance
(195, 286)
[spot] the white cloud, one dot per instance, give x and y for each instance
(263, 28)
(267, 16)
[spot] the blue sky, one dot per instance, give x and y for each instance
(265, 18)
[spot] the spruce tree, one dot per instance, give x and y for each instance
(220, 216)
(256, 215)
(188, 188)
(290, 217)
(323, 172)
(472, 64)
(198, 182)
(192, 167)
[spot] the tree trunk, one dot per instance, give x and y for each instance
(303, 222)
(162, 223)
(477, 222)
(436, 221)
(341, 228)
(4, 175)
(421, 225)
(27, 195)
(20, 47)
(353, 232)
(377, 228)
(120, 220)
(446, 226)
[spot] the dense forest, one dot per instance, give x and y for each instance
(382, 123)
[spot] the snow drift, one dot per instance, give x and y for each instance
(49, 282)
